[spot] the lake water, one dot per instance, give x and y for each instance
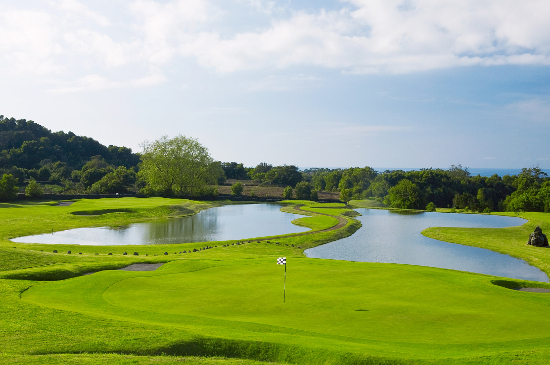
(230, 222)
(391, 237)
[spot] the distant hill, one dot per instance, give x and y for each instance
(25, 144)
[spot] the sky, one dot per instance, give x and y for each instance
(312, 83)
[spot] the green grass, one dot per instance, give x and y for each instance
(225, 305)
(370, 203)
(511, 241)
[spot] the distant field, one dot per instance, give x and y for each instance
(225, 305)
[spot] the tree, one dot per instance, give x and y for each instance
(237, 189)
(332, 179)
(8, 188)
(287, 193)
(117, 181)
(404, 195)
(345, 195)
(303, 190)
(180, 166)
(33, 189)
(235, 171)
(283, 175)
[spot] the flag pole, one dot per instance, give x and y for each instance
(282, 261)
(284, 287)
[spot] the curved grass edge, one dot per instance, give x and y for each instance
(509, 241)
(77, 265)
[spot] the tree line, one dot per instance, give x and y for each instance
(65, 163)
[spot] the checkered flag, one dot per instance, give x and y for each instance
(281, 261)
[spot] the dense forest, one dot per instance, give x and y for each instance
(64, 162)
(40, 161)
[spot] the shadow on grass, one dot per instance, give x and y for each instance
(265, 351)
(9, 205)
(519, 284)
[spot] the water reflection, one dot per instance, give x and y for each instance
(390, 237)
(230, 222)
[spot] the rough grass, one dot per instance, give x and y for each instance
(224, 305)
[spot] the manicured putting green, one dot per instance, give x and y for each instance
(381, 306)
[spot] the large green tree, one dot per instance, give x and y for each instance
(180, 166)
(404, 195)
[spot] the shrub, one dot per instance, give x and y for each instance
(8, 188)
(34, 189)
(303, 190)
(314, 195)
(237, 189)
(287, 193)
(430, 207)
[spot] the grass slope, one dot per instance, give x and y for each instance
(224, 305)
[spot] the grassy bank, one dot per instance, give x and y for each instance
(511, 241)
(225, 305)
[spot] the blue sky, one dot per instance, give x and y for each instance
(381, 83)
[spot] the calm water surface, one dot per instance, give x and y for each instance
(391, 237)
(230, 222)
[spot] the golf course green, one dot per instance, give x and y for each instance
(225, 304)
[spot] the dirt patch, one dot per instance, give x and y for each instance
(142, 267)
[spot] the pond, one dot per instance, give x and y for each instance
(391, 237)
(230, 222)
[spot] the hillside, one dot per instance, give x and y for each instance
(25, 144)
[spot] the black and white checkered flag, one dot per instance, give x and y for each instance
(281, 261)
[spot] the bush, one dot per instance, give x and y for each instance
(8, 188)
(430, 207)
(287, 193)
(237, 189)
(34, 189)
(303, 190)
(314, 195)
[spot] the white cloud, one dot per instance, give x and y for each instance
(363, 36)
(284, 83)
(28, 42)
(389, 36)
(162, 28)
(98, 46)
(74, 8)
(264, 6)
(97, 82)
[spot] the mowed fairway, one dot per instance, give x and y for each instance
(379, 309)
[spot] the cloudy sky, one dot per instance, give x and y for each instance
(326, 83)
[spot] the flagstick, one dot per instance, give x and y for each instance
(284, 287)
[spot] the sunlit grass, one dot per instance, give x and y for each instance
(225, 305)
